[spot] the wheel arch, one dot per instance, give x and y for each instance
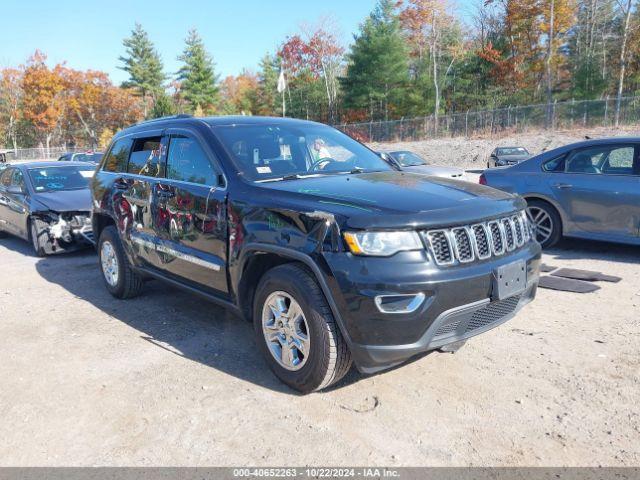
(99, 221)
(553, 204)
(259, 258)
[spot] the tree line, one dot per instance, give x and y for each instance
(409, 58)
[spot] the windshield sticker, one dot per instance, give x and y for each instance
(263, 169)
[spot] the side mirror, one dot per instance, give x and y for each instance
(15, 190)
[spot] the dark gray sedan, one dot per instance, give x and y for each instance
(505, 156)
(47, 204)
(588, 190)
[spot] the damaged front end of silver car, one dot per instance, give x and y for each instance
(63, 232)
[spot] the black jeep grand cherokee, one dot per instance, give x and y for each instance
(331, 252)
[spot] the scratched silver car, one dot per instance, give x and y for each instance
(588, 190)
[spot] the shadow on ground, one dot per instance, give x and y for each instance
(178, 322)
(573, 249)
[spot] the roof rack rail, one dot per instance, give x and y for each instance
(160, 119)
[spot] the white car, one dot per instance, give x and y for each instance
(412, 162)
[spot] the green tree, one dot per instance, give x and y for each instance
(377, 73)
(267, 100)
(197, 75)
(144, 66)
(163, 106)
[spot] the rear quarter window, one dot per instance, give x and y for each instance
(555, 164)
(117, 158)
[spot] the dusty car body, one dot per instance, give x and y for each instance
(47, 204)
(412, 162)
(505, 156)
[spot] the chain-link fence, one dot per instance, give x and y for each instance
(35, 154)
(559, 115)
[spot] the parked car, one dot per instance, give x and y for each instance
(334, 254)
(89, 157)
(47, 204)
(505, 156)
(412, 162)
(587, 190)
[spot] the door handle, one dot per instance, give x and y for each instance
(562, 185)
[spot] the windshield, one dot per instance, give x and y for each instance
(513, 151)
(268, 152)
(50, 179)
(408, 159)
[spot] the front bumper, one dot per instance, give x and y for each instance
(458, 303)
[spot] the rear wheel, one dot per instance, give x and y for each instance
(119, 277)
(296, 331)
(546, 222)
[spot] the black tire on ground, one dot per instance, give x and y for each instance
(40, 241)
(556, 221)
(129, 282)
(329, 357)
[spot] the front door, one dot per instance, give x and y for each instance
(599, 191)
(190, 222)
(13, 205)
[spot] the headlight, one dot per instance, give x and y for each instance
(382, 244)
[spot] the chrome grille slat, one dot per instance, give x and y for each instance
(462, 244)
(508, 234)
(517, 226)
(440, 246)
(480, 241)
(497, 238)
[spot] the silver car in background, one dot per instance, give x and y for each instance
(588, 190)
(412, 162)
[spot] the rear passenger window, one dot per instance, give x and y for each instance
(187, 162)
(145, 157)
(117, 157)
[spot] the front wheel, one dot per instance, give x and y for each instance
(119, 277)
(296, 331)
(547, 225)
(39, 237)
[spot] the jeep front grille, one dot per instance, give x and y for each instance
(478, 242)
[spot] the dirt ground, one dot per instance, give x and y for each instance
(166, 379)
(473, 153)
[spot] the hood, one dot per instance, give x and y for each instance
(397, 199)
(436, 170)
(65, 200)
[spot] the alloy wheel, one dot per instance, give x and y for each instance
(542, 223)
(109, 262)
(285, 330)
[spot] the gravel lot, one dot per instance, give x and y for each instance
(166, 379)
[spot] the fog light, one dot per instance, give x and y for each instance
(399, 303)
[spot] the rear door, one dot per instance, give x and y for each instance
(133, 187)
(190, 223)
(599, 191)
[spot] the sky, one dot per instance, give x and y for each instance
(88, 34)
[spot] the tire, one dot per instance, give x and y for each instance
(544, 215)
(40, 242)
(328, 358)
(119, 276)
